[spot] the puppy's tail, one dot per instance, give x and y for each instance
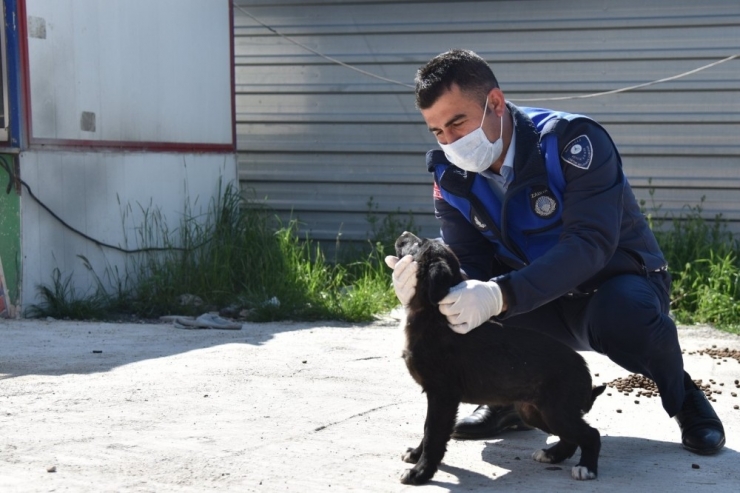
(595, 392)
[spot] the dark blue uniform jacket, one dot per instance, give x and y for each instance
(567, 222)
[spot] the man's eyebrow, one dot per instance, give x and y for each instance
(449, 122)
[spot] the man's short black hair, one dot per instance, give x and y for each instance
(462, 67)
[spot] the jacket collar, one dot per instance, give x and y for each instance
(529, 165)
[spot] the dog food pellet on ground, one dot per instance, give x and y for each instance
(720, 354)
(645, 387)
(632, 382)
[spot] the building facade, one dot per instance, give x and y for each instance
(326, 118)
(108, 107)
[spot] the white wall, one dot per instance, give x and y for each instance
(84, 189)
(148, 70)
(107, 80)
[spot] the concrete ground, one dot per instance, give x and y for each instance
(100, 407)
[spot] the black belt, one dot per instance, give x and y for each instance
(583, 294)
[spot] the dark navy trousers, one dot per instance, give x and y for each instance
(627, 320)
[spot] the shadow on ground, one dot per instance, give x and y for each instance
(626, 463)
(41, 347)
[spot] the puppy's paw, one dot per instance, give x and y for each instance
(542, 456)
(416, 476)
(411, 455)
(582, 473)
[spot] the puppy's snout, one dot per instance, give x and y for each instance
(404, 241)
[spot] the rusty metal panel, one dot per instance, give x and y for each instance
(317, 139)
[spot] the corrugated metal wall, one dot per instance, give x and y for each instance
(317, 139)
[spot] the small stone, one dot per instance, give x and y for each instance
(694, 466)
(619, 411)
(51, 469)
(637, 402)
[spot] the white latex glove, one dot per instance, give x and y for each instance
(404, 277)
(471, 303)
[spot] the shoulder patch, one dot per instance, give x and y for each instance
(578, 152)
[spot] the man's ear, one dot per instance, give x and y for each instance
(496, 101)
(439, 281)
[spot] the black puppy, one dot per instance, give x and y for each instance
(548, 382)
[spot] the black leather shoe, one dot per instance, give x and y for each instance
(487, 422)
(701, 430)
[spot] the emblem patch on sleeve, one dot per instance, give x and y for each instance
(578, 152)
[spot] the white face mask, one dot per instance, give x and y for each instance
(474, 152)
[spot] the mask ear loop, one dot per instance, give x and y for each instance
(485, 108)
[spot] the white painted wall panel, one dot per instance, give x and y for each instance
(89, 190)
(149, 70)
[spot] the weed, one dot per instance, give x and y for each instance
(238, 255)
(703, 257)
(62, 301)
(235, 255)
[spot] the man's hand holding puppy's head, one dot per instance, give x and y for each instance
(404, 277)
(471, 303)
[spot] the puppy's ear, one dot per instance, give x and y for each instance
(439, 280)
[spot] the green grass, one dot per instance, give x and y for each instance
(61, 300)
(703, 260)
(238, 255)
